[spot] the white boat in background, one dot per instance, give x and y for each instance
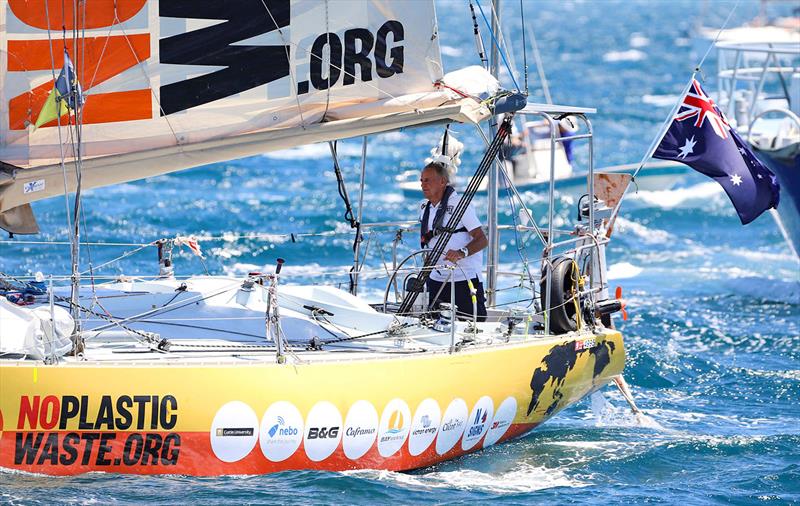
(766, 27)
(217, 375)
(759, 92)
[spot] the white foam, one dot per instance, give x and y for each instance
(638, 40)
(608, 415)
(523, 478)
(648, 235)
(693, 196)
(312, 151)
(629, 55)
(623, 270)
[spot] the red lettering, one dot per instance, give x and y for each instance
(48, 415)
(29, 412)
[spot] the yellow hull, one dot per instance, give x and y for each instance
(394, 413)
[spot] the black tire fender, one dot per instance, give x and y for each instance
(562, 313)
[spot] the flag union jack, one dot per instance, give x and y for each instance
(697, 104)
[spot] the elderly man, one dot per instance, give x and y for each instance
(464, 248)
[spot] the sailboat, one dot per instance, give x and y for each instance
(218, 375)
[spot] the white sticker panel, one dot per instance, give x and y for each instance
(360, 429)
(281, 431)
(454, 420)
(234, 431)
(424, 426)
(323, 431)
(478, 422)
(395, 423)
(501, 422)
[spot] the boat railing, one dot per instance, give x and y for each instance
(751, 75)
(789, 114)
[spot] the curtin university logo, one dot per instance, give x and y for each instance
(235, 432)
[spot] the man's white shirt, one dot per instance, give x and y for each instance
(469, 267)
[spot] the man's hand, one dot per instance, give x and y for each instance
(454, 255)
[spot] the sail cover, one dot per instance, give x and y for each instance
(170, 84)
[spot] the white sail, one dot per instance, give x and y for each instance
(175, 84)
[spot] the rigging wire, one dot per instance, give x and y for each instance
(719, 33)
(478, 38)
(540, 66)
(292, 76)
(58, 118)
(499, 48)
(524, 46)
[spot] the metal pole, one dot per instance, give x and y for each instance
(551, 206)
(493, 252)
(51, 297)
(591, 197)
(275, 318)
(357, 249)
(77, 340)
(452, 310)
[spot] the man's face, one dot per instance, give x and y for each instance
(432, 185)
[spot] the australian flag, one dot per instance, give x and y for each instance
(701, 137)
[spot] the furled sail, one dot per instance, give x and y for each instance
(171, 84)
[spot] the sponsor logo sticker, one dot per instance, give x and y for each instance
(424, 426)
(454, 420)
(281, 431)
(234, 431)
(360, 429)
(394, 427)
(323, 431)
(478, 422)
(502, 420)
(33, 186)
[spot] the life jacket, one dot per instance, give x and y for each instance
(438, 227)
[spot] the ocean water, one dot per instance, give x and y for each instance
(714, 327)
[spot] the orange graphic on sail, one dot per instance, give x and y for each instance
(97, 59)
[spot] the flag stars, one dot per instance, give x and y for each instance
(743, 151)
(736, 179)
(688, 148)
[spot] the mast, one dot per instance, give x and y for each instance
(492, 255)
(76, 96)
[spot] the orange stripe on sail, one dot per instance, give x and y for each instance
(115, 106)
(103, 58)
(91, 13)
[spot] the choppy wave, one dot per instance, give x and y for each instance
(320, 151)
(697, 196)
(521, 478)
